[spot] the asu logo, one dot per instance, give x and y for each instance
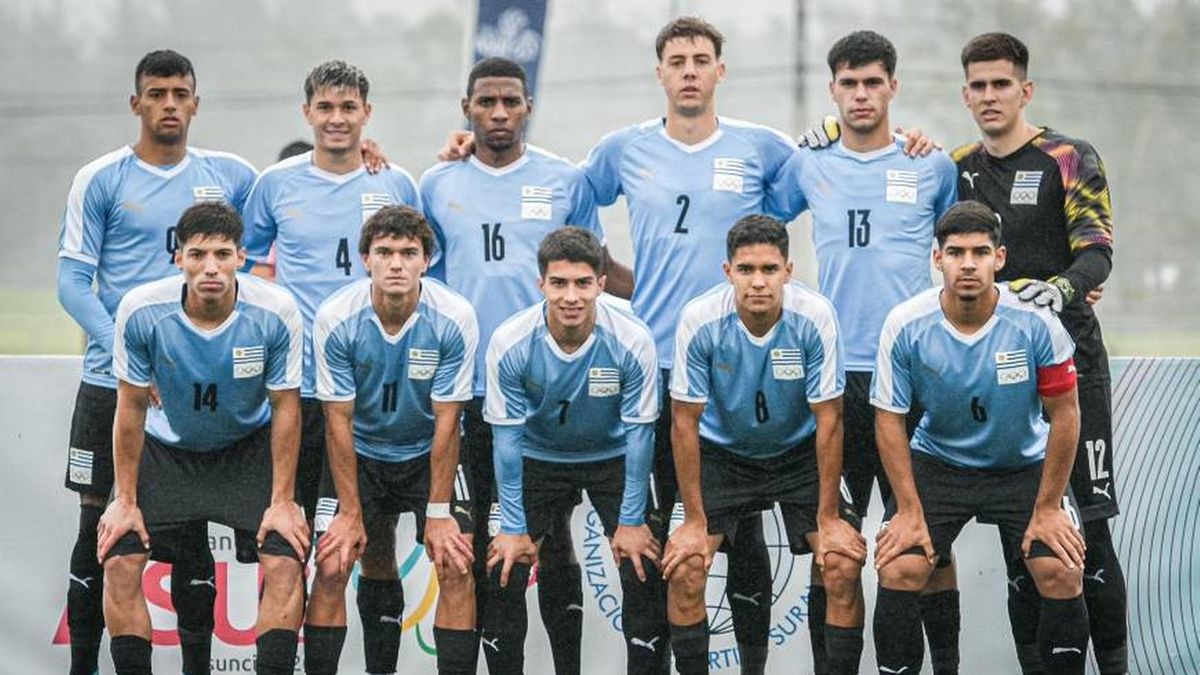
(247, 361)
(604, 382)
(728, 174)
(1012, 367)
(422, 363)
(787, 364)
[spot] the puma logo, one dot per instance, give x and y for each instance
(638, 642)
(398, 619)
(1098, 577)
(1104, 490)
(493, 644)
(970, 178)
(203, 582)
(574, 607)
(752, 599)
(1015, 582)
(1065, 650)
(885, 669)
(85, 581)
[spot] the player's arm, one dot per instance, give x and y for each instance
(444, 542)
(284, 515)
(512, 544)
(691, 537)
(81, 303)
(633, 539)
(835, 535)
(1051, 523)
(129, 436)
(907, 528)
(346, 537)
(620, 277)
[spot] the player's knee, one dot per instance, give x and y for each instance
(842, 578)
(123, 575)
(905, 573)
(281, 571)
(454, 584)
(1054, 579)
(688, 579)
(329, 578)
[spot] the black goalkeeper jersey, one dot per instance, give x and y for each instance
(1053, 202)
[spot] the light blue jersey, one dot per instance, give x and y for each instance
(119, 229)
(596, 403)
(394, 380)
(683, 200)
(314, 218)
(489, 223)
(873, 220)
(979, 391)
(213, 383)
(758, 391)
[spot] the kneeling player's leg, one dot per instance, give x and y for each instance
(1063, 629)
(125, 609)
(325, 614)
(193, 592)
(560, 595)
(380, 597)
(748, 586)
(281, 609)
(687, 613)
(941, 616)
(85, 590)
(899, 644)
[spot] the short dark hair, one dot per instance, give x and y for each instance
(690, 27)
(968, 216)
(335, 75)
(209, 219)
(861, 48)
(495, 66)
(756, 229)
(162, 63)
(403, 222)
(294, 148)
(996, 47)
(573, 244)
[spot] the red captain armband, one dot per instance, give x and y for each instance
(1057, 379)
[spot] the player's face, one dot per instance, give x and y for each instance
(396, 264)
(689, 72)
(571, 289)
(968, 263)
(996, 93)
(210, 265)
(166, 106)
(758, 273)
(498, 110)
(862, 95)
(337, 117)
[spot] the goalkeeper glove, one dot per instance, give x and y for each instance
(1054, 292)
(822, 135)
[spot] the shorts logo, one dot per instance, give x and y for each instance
(902, 186)
(323, 515)
(208, 193)
(787, 364)
(1025, 188)
(372, 202)
(79, 466)
(422, 363)
(728, 174)
(247, 362)
(536, 202)
(1012, 367)
(604, 382)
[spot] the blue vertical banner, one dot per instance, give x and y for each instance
(512, 29)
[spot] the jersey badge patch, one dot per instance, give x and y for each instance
(372, 202)
(728, 174)
(787, 364)
(902, 186)
(1025, 188)
(422, 363)
(603, 382)
(247, 362)
(208, 193)
(536, 202)
(323, 515)
(79, 463)
(1012, 367)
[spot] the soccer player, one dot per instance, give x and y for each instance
(489, 214)
(393, 440)
(311, 207)
(571, 396)
(1051, 193)
(223, 351)
(757, 389)
(117, 232)
(985, 367)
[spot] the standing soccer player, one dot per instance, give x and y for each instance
(571, 395)
(117, 231)
(223, 351)
(395, 358)
(757, 389)
(984, 366)
(1052, 196)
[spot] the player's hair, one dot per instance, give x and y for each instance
(402, 222)
(861, 48)
(209, 219)
(335, 75)
(756, 229)
(968, 216)
(294, 148)
(573, 244)
(162, 63)
(690, 27)
(495, 66)
(996, 47)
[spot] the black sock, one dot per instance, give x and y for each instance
(323, 648)
(1063, 635)
(940, 615)
(748, 587)
(844, 645)
(381, 609)
(1105, 594)
(507, 621)
(1024, 612)
(276, 652)
(816, 628)
(130, 655)
(690, 644)
(457, 651)
(560, 599)
(643, 620)
(898, 640)
(193, 592)
(85, 595)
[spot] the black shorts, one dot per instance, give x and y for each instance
(951, 496)
(860, 460)
(1092, 477)
(90, 456)
(735, 487)
(178, 488)
(664, 487)
(552, 489)
(312, 455)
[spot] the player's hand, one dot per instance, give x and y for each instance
(916, 143)
(1093, 296)
(633, 542)
(1054, 528)
(373, 156)
(154, 397)
(1054, 292)
(835, 535)
(459, 146)
(287, 519)
(689, 539)
(821, 135)
(906, 529)
(345, 538)
(508, 549)
(119, 518)
(447, 546)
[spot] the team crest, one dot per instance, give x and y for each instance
(247, 362)
(207, 193)
(422, 363)
(902, 186)
(1025, 188)
(536, 202)
(372, 202)
(604, 382)
(787, 364)
(1012, 367)
(728, 174)
(323, 515)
